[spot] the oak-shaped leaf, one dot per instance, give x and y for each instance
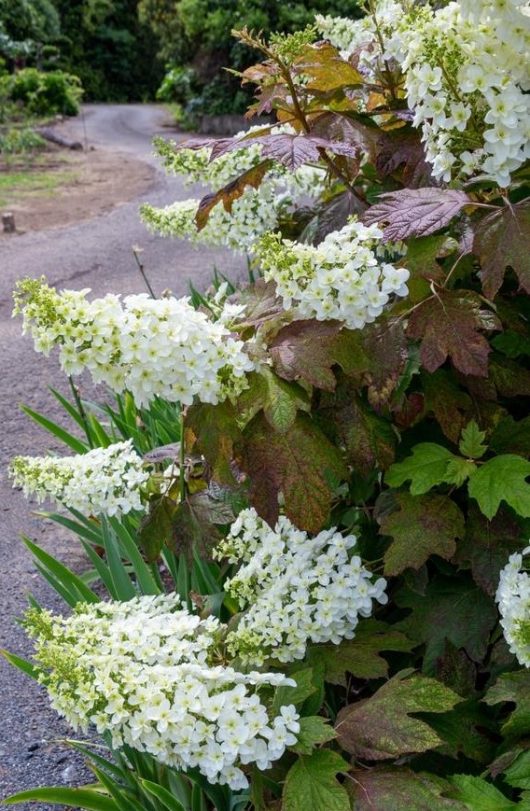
(311, 783)
(502, 239)
(279, 400)
(503, 478)
(449, 325)
(383, 727)
(215, 430)
(512, 344)
(296, 693)
(487, 545)
(472, 441)
(261, 303)
(452, 608)
(308, 351)
(416, 212)
(426, 467)
(325, 69)
(290, 149)
(231, 192)
(300, 463)
(294, 150)
(360, 656)
(400, 789)
(513, 688)
(420, 526)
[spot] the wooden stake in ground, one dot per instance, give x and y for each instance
(8, 222)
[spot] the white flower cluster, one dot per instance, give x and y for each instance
(465, 74)
(513, 597)
(466, 86)
(251, 215)
(342, 278)
(257, 211)
(362, 38)
(151, 347)
(298, 589)
(104, 480)
(144, 671)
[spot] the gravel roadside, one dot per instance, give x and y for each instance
(96, 254)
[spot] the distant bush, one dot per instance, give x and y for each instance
(20, 141)
(43, 93)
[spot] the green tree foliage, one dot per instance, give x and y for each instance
(105, 44)
(197, 34)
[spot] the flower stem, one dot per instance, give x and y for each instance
(182, 466)
(81, 409)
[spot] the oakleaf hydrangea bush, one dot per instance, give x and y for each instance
(329, 583)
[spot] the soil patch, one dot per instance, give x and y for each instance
(63, 187)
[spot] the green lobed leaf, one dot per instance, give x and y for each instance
(479, 795)
(452, 608)
(400, 789)
(420, 526)
(311, 784)
(314, 730)
(360, 656)
(502, 478)
(279, 400)
(296, 695)
(518, 773)
(512, 344)
(425, 468)
(472, 441)
(381, 727)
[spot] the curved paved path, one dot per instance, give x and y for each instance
(95, 253)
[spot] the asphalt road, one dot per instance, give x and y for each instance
(96, 254)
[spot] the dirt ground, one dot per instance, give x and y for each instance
(80, 185)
